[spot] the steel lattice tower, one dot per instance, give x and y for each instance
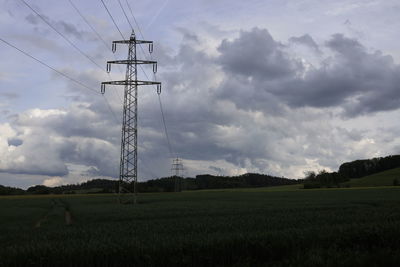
(129, 139)
(177, 166)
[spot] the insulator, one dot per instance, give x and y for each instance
(159, 88)
(108, 67)
(150, 48)
(155, 68)
(103, 88)
(114, 47)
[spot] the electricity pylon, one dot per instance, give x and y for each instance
(177, 166)
(129, 159)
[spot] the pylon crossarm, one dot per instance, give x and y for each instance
(131, 62)
(131, 82)
(132, 40)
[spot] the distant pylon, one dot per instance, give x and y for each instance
(129, 158)
(177, 166)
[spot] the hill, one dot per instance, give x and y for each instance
(385, 178)
(350, 172)
(166, 184)
(364, 167)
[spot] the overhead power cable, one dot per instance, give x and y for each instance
(88, 23)
(50, 67)
(165, 127)
(140, 32)
(137, 25)
(98, 36)
(60, 73)
(134, 19)
(111, 110)
(108, 11)
(62, 35)
(123, 11)
(159, 97)
(115, 24)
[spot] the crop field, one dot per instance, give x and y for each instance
(252, 227)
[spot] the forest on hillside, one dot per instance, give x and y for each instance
(167, 184)
(353, 169)
(350, 170)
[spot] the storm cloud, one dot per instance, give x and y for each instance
(351, 78)
(244, 103)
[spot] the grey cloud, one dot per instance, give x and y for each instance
(48, 170)
(62, 26)
(216, 111)
(345, 46)
(216, 169)
(9, 95)
(354, 79)
(288, 133)
(187, 35)
(256, 54)
(49, 140)
(70, 29)
(32, 19)
(15, 142)
(306, 40)
(18, 180)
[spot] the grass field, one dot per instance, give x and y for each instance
(379, 179)
(282, 226)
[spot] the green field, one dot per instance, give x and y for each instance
(281, 226)
(379, 179)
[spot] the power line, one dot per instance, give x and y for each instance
(66, 39)
(62, 35)
(134, 19)
(108, 11)
(48, 66)
(60, 73)
(98, 36)
(115, 24)
(111, 110)
(129, 140)
(165, 127)
(123, 10)
(87, 22)
(105, 43)
(138, 27)
(144, 54)
(159, 97)
(157, 14)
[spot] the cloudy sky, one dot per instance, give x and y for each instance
(278, 87)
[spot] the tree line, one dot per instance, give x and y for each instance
(354, 169)
(350, 170)
(361, 168)
(166, 184)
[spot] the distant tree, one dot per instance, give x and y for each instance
(6, 190)
(309, 175)
(361, 168)
(324, 179)
(39, 189)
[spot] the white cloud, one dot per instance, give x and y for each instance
(55, 181)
